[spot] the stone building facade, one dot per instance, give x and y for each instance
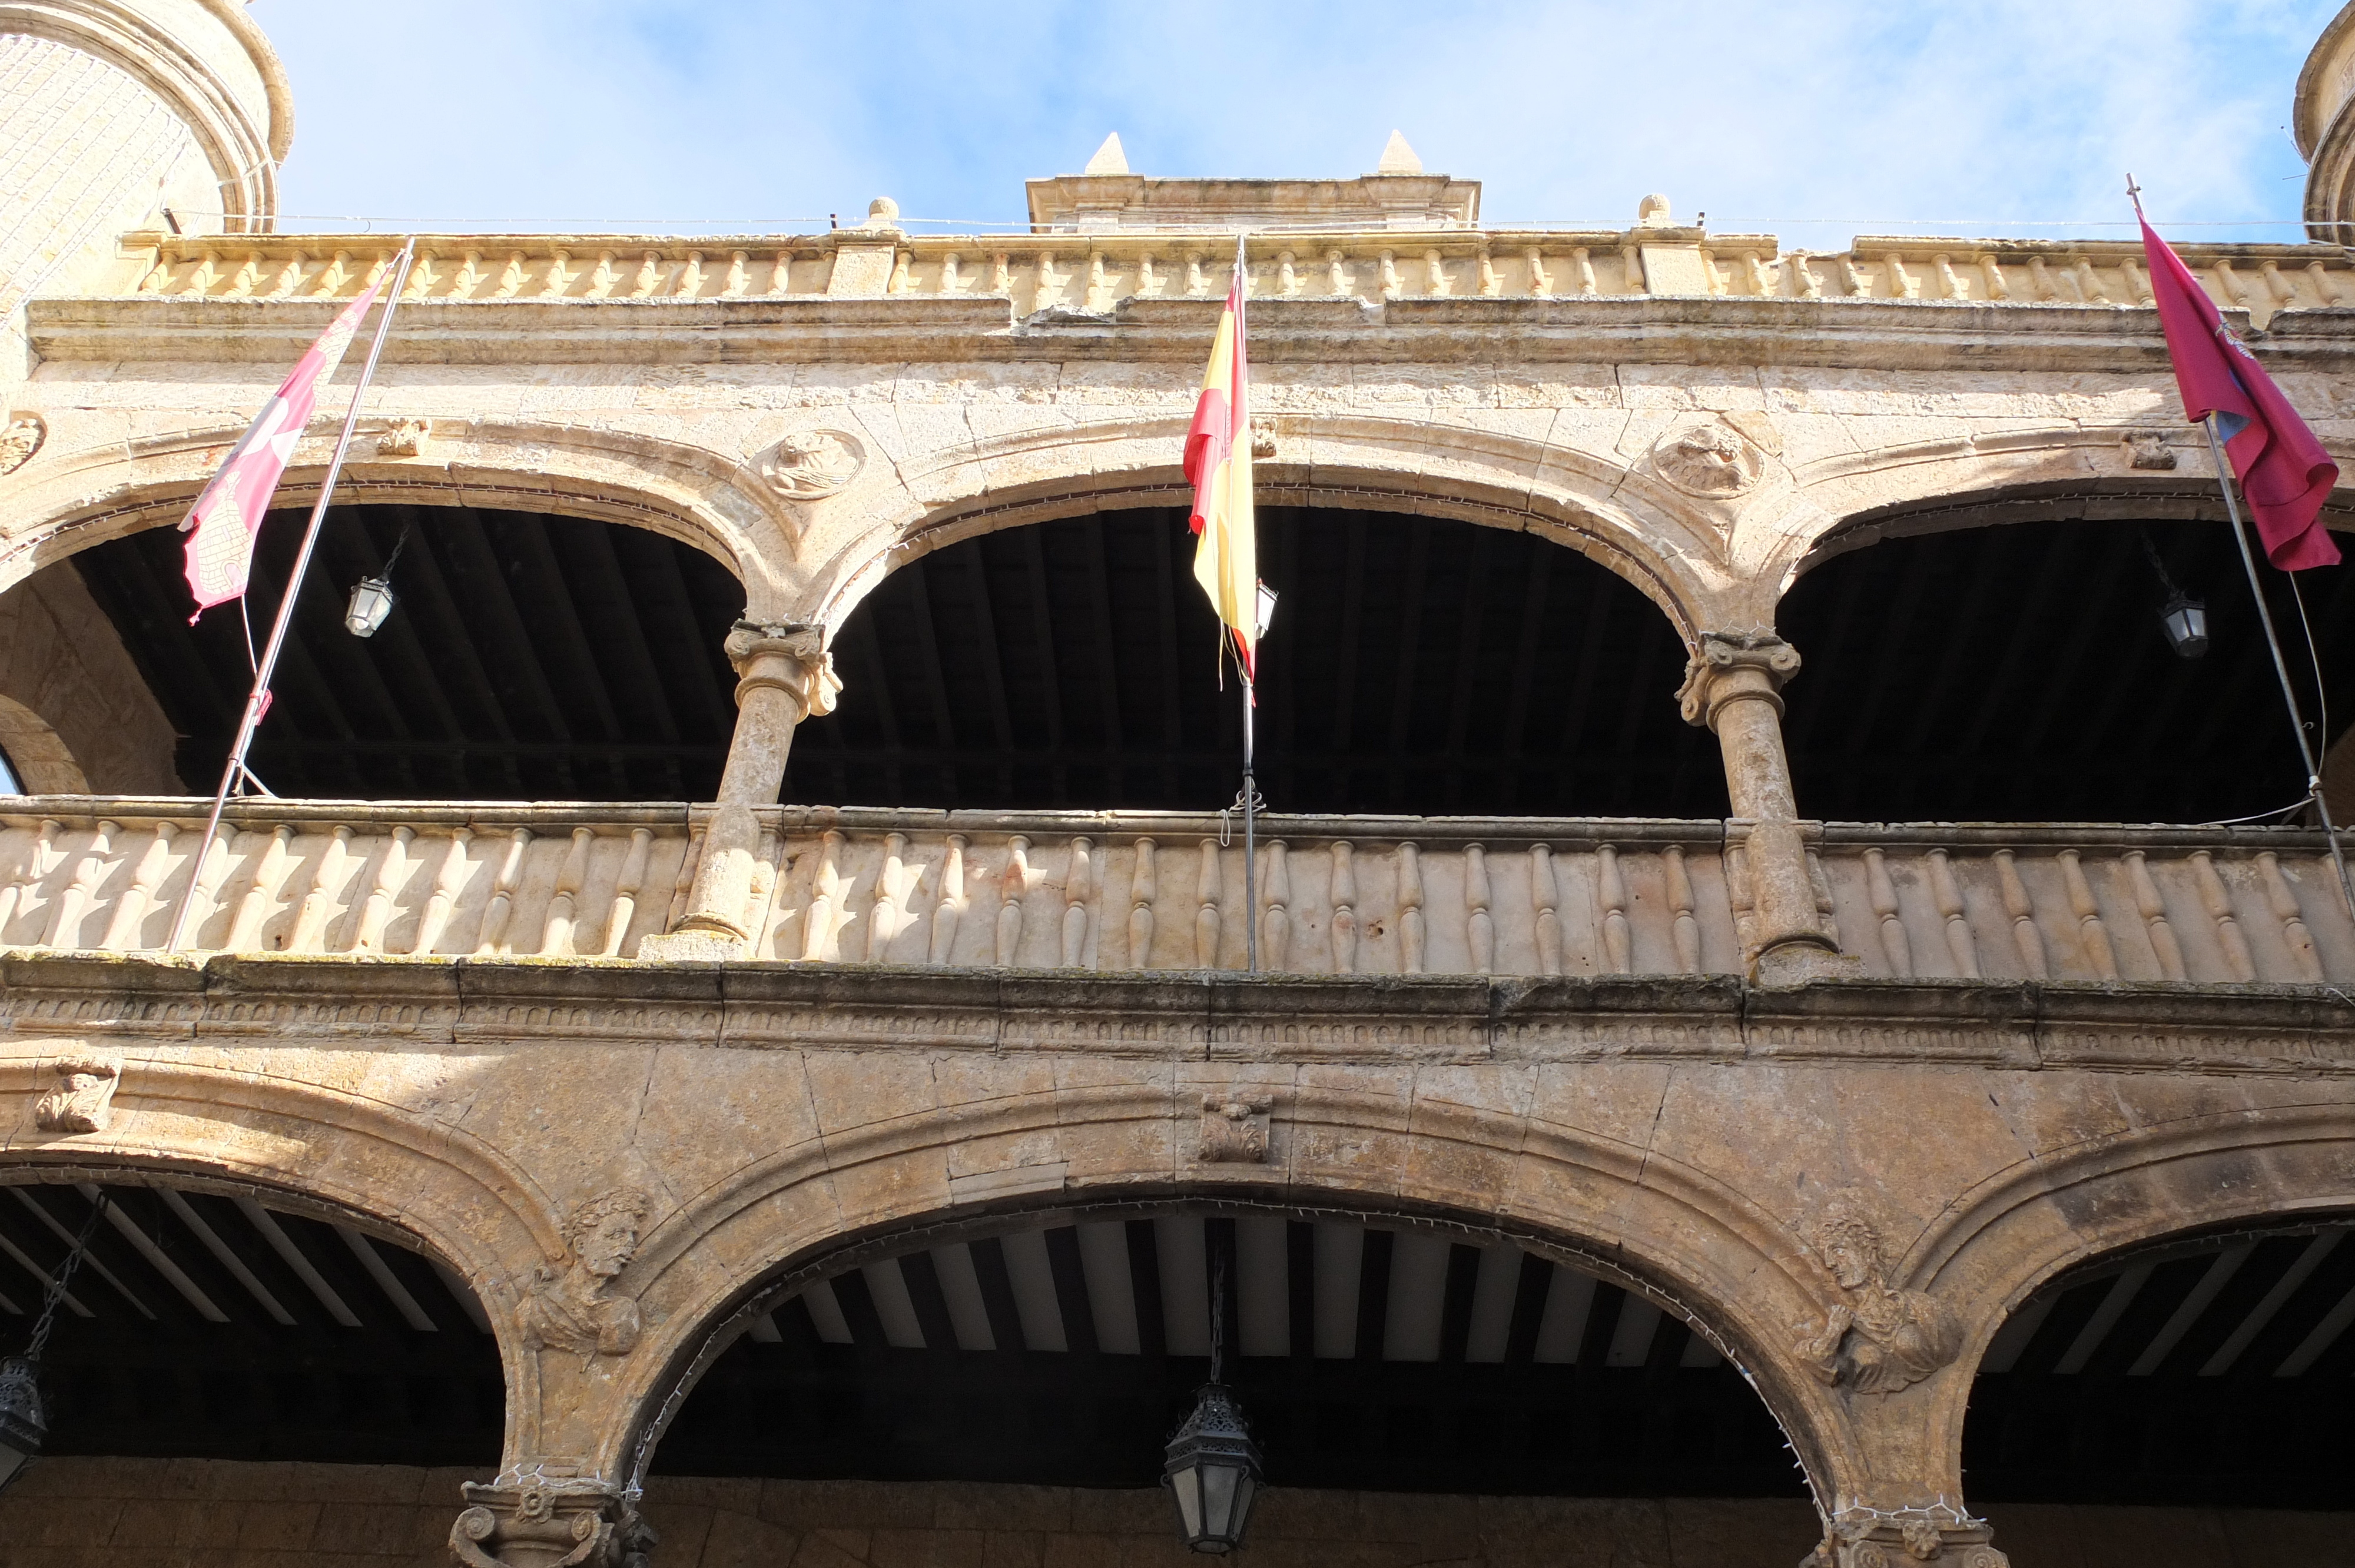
(1839, 1103)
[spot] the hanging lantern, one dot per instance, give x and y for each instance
(2186, 620)
(1213, 1474)
(371, 602)
(23, 1428)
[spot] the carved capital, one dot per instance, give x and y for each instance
(542, 1521)
(789, 659)
(1730, 666)
(1939, 1535)
(84, 1100)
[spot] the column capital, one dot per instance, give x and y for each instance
(1729, 666)
(536, 1520)
(785, 657)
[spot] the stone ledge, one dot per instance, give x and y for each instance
(403, 1003)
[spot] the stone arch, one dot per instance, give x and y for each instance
(38, 754)
(1670, 548)
(1679, 1236)
(93, 491)
(341, 1154)
(1997, 1243)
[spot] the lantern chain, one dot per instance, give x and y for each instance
(56, 1290)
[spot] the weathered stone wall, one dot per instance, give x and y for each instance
(198, 1513)
(75, 714)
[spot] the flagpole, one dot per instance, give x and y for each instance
(2281, 666)
(1250, 792)
(252, 717)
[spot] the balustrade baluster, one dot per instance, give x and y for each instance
(1684, 925)
(448, 878)
(2090, 929)
(825, 884)
(770, 869)
(883, 920)
(1545, 897)
(2219, 904)
(1410, 929)
(2284, 904)
(377, 913)
(556, 930)
(1142, 888)
(132, 906)
(1075, 906)
(2024, 933)
(1611, 890)
(950, 909)
(1827, 909)
(269, 865)
(1882, 890)
(203, 899)
(1208, 918)
(1949, 896)
(310, 932)
(2153, 909)
(683, 886)
(625, 905)
(1345, 909)
(1012, 886)
(500, 910)
(1276, 922)
(65, 920)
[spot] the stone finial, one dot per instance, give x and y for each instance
(1652, 212)
(1398, 158)
(882, 213)
(1109, 158)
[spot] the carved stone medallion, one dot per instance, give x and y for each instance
(1711, 461)
(85, 1101)
(812, 464)
(572, 1309)
(403, 439)
(1881, 1337)
(19, 440)
(2149, 449)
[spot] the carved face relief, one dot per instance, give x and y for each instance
(84, 1101)
(1711, 460)
(1854, 1261)
(812, 464)
(19, 440)
(609, 1244)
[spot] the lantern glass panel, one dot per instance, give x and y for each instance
(1219, 1499)
(1187, 1484)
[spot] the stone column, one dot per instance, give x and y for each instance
(785, 675)
(538, 1521)
(1733, 686)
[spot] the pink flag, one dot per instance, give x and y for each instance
(222, 524)
(2284, 471)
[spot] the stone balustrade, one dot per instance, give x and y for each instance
(1129, 891)
(1092, 273)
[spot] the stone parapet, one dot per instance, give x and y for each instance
(1136, 891)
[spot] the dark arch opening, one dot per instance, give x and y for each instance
(527, 656)
(2021, 674)
(208, 1326)
(2203, 1371)
(1416, 665)
(1367, 1354)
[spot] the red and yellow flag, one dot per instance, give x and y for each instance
(1219, 465)
(223, 523)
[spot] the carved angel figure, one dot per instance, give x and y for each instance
(84, 1102)
(570, 1309)
(19, 442)
(1882, 1338)
(812, 464)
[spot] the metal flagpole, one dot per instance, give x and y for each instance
(2281, 666)
(1250, 792)
(255, 699)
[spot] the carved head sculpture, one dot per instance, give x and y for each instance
(83, 1098)
(1850, 1245)
(604, 1231)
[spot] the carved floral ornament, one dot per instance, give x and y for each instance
(1234, 1131)
(19, 440)
(810, 465)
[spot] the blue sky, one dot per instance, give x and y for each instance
(1818, 119)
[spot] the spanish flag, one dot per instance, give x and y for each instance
(1219, 465)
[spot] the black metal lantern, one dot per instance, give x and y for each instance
(1213, 1473)
(2186, 620)
(371, 602)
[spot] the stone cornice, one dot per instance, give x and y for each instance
(466, 1003)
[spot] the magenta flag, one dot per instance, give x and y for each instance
(222, 524)
(2284, 471)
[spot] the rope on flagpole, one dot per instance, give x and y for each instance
(2281, 666)
(257, 699)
